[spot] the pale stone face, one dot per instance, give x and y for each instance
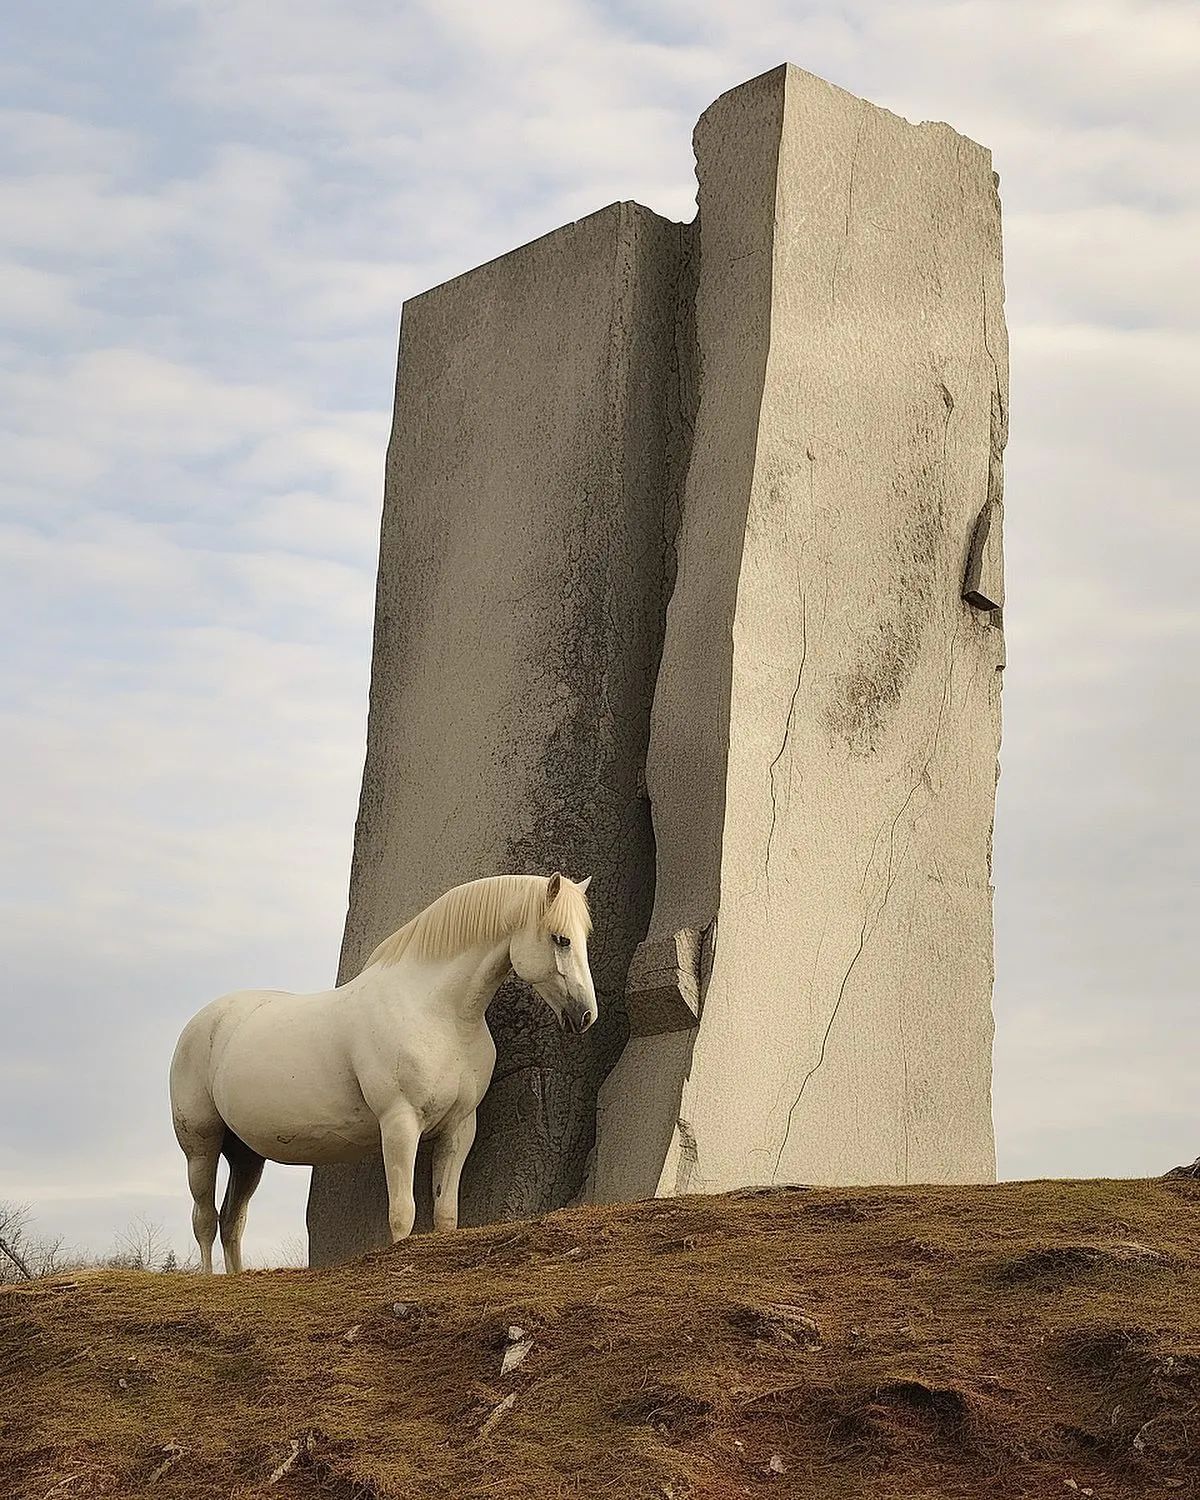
(788, 419)
(826, 720)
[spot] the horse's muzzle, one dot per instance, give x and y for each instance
(576, 1021)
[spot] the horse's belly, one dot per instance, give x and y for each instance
(316, 1135)
(310, 1142)
(311, 1137)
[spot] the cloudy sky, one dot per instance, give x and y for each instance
(210, 214)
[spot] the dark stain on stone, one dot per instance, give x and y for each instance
(862, 698)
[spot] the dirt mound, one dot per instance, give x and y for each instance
(1025, 1339)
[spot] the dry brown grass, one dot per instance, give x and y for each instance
(1036, 1339)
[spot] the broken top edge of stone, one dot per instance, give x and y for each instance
(623, 208)
(784, 76)
(788, 75)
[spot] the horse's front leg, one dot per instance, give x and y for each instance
(400, 1133)
(450, 1151)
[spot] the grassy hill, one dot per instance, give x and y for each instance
(1036, 1339)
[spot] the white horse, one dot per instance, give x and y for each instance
(400, 1052)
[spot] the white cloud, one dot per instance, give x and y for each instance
(347, 453)
(312, 522)
(35, 298)
(39, 139)
(70, 215)
(1128, 264)
(164, 439)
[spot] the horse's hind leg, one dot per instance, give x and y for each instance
(450, 1151)
(202, 1179)
(245, 1172)
(198, 1129)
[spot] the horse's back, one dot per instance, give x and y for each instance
(214, 1024)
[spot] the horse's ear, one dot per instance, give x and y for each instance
(584, 883)
(553, 888)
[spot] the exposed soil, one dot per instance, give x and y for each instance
(1037, 1339)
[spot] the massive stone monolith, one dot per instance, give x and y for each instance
(518, 623)
(826, 721)
(783, 426)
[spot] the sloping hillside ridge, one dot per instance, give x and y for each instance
(1024, 1339)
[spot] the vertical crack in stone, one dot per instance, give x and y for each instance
(837, 260)
(871, 921)
(948, 400)
(995, 367)
(682, 401)
(787, 730)
(993, 504)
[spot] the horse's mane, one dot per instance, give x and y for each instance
(483, 911)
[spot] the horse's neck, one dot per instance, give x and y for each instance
(462, 984)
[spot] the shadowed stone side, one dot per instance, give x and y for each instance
(826, 722)
(531, 482)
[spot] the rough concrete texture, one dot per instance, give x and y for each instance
(524, 567)
(826, 720)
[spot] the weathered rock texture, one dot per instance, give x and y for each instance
(522, 582)
(825, 728)
(787, 419)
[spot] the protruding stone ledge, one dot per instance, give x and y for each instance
(983, 586)
(666, 984)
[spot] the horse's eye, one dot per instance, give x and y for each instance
(559, 941)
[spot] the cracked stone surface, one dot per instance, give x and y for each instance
(788, 420)
(524, 560)
(826, 720)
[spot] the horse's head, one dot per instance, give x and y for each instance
(551, 954)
